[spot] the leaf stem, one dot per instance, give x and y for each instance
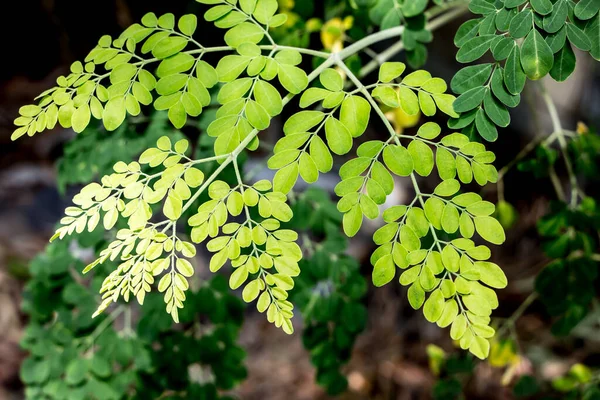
(517, 314)
(559, 131)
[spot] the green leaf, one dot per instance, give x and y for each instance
(470, 99)
(384, 271)
(251, 291)
(387, 95)
(414, 8)
(447, 188)
(592, 29)
(491, 274)
(541, 7)
(450, 310)
(408, 101)
(416, 295)
(177, 115)
(578, 37)
(187, 24)
(312, 95)
(257, 115)
(320, 154)
(466, 32)
(557, 40)
(501, 48)
(495, 110)
(268, 97)
(173, 206)
(76, 371)
(114, 114)
(474, 48)
(416, 78)
(331, 79)
(445, 163)
(398, 159)
(514, 76)
(564, 64)
(459, 327)
(434, 306)
(500, 91)
(480, 347)
(285, 178)
(354, 114)
(169, 46)
(556, 19)
(181, 62)
(444, 103)
(81, 118)
(293, 79)
(231, 66)
(429, 130)
(521, 24)
(264, 11)
(302, 122)
(308, 168)
(536, 56)
(471, 77)
(426, 103)
(245, 32)
(450, 218)
(352, 221)
(586, 9)
(338, 136)
(490, 229)
(390, 71)
(422, 156)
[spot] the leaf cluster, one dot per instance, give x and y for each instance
(528, 40)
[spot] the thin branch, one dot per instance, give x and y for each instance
(558, 130)
(510, 322)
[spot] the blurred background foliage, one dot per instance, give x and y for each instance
(354, 342)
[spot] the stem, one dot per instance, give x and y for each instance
(558, 130)
(456, 8)
(103, 325)
(510, 322)
(523, 153)
(361, 88)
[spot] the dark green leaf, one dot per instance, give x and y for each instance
(463, 120)
(467, 31)
(495, 110)
(564, 64)
(470, 99)
(504, 17)
(578, 37)
(586, 9)
(485, 126)
(513, 3)
(536, 56)
(474, 48)
(500, 91)
(414, 7)
(502, 48)
(521, 24)
(556, 19)
(541, 7)
(470, 77)
(483, 7)
(592, 29)
(556, 40)
(488, 25)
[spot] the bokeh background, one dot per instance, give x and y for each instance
(40, 40)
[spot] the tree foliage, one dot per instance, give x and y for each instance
(160, 197)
